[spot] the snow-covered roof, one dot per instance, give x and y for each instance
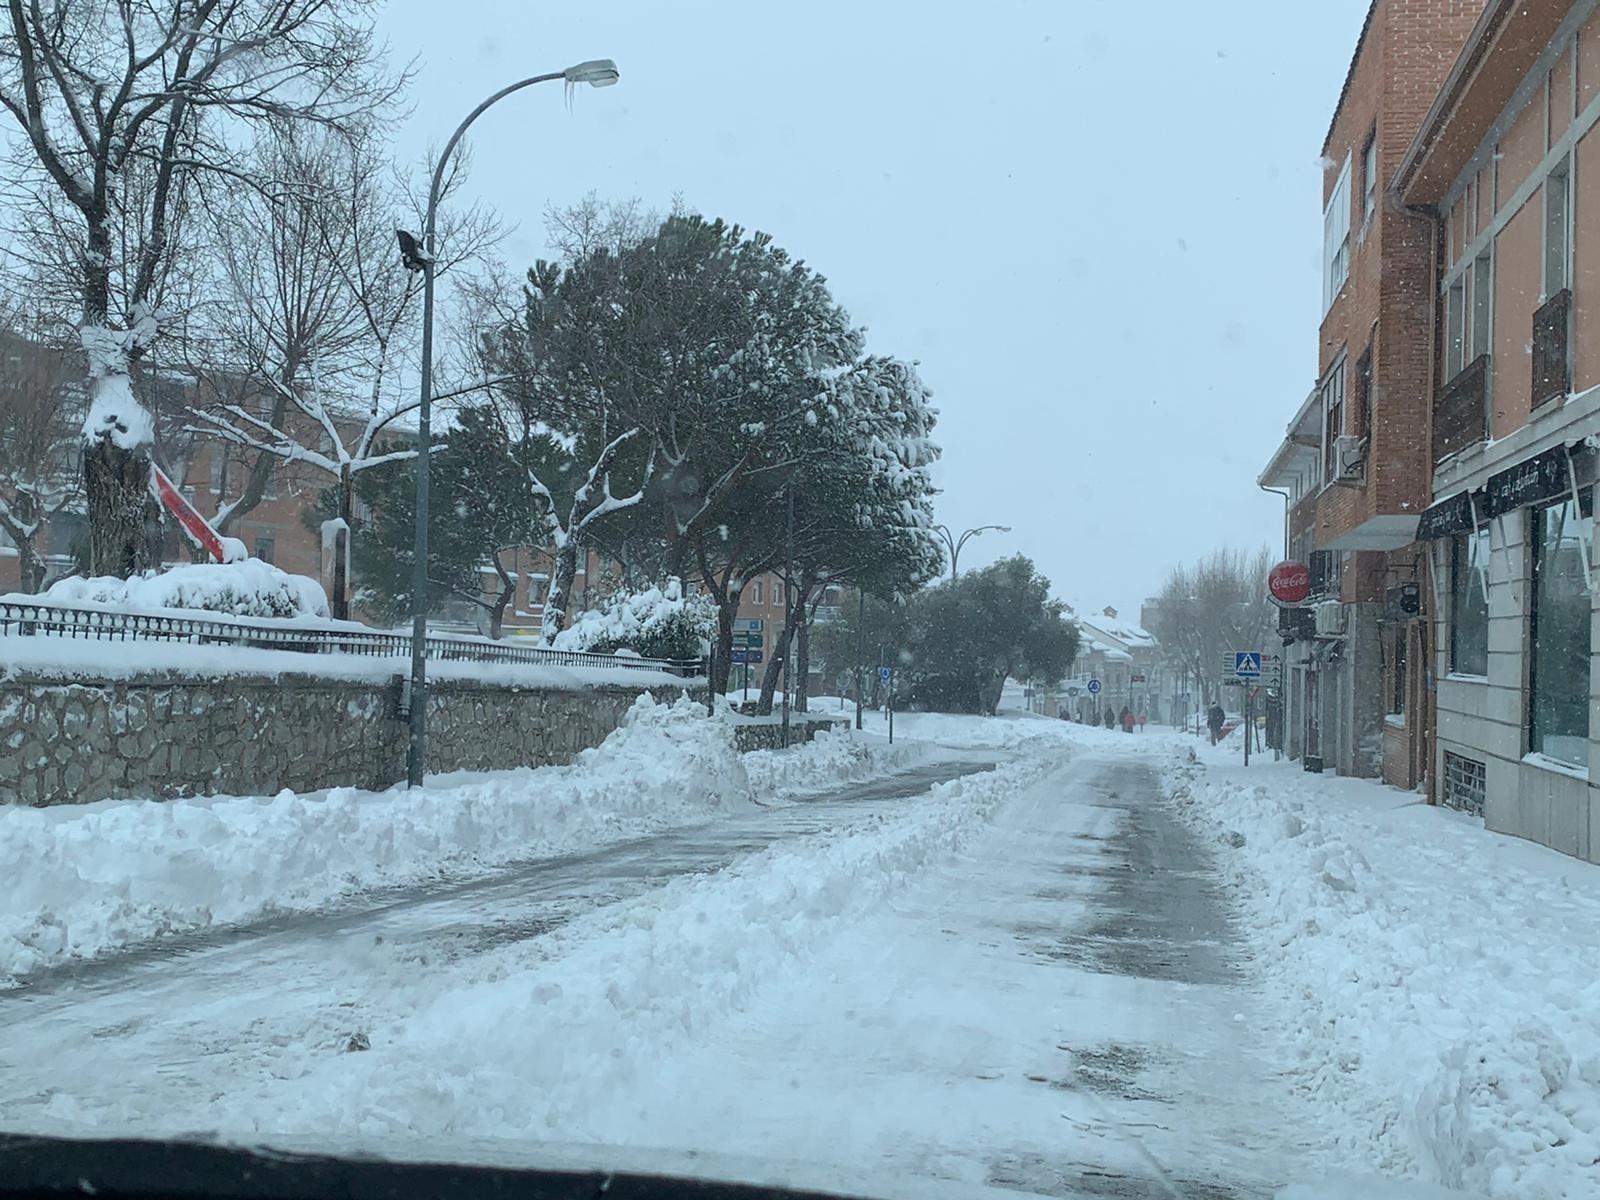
(1115, 631)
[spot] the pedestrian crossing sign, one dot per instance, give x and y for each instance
(1247, 664)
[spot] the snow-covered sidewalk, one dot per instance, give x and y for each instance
(1437, 981)
(85, 879)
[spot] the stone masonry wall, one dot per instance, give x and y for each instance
(75, 741)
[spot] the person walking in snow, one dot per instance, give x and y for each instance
(1127, 719)
(1143, 717)
(1214, 719)
(1110, 718)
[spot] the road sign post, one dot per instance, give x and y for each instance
(886, 675)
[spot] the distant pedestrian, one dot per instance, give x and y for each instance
(1127, 719)
(1214, 720)
(1143, 717)
(1110, 718)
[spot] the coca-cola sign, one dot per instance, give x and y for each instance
(1289, 583)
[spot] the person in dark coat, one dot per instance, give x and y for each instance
(1110, 718)
(1126, 718)
(1214, 719)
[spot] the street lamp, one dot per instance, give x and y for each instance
(598, 72)
(954, 543)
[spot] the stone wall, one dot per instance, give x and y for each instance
(163, 735)
(768, 735)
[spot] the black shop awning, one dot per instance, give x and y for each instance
(1444, 518)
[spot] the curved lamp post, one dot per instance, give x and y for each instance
(599, 72)
(954, 543)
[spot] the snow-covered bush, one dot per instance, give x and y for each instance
(659, 622)
(250, 588)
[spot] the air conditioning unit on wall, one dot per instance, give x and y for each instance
(1350, 459)
(1330, 619)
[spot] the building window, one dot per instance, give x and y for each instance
(266, 548)
(219, 470)
(1555, 230)
(1469, 610)
(1482, 301)
(1455, 344)
(270, 490)
(1369, 176)
(1336, 238)
(1558, 634)
(1332, 419)
(536, 585)
(756, 592)
(1363, 393)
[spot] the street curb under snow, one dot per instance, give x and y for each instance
(1436, 982)
(87, 879)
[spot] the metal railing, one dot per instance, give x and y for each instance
(30, 619)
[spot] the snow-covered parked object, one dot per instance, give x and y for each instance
(251, 588)
(659, 622)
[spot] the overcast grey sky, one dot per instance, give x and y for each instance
(1096, 227)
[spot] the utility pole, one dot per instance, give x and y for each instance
(861, 634)
(788, 607)
(419, 256)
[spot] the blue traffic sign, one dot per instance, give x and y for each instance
(1094, 687)
(1247, 664)
(745, 657)
(884, 673)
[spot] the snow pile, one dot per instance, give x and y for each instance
(86, 878)
(94, 877)
(251, 588)
(659, 622)
(835, 756)
(1008, 730)
(536, 1039)
(1439, 979)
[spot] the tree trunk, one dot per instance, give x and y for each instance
(116, 483)
(802, 663)
(559, 597)
(116, 479)
(722, 660)
(339, 602)
(769, 677)
(31, 576)
(508, 588)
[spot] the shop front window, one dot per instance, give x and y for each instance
(1469, 609)
(1558, 709)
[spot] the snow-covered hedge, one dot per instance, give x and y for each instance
(251, 588)
(659, 622)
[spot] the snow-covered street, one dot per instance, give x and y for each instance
(1008, 966)
(1017, 955)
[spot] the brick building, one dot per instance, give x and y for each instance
(1506, 166)
(1354, 463)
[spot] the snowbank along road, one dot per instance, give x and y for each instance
(1010, 968)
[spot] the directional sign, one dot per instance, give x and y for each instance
(742, 657)
(1136, 679)
(747, 625)
(1094, 687)
(1247, 664)
(885, 673)
(750, 641)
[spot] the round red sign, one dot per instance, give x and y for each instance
(1289, 582)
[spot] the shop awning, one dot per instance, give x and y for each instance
(1444, 518)
(1532, 481)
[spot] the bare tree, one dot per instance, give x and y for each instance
(322, 312)
(1216, 606)
(101, 89)
(39, 397)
